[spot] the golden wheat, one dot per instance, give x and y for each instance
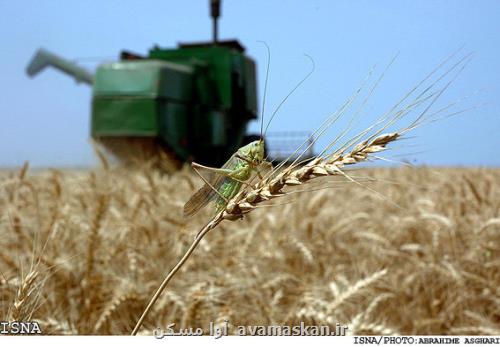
(422, 260)
(441, 277)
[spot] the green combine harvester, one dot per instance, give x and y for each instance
(177, 105)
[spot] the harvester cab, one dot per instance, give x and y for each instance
(188, 103)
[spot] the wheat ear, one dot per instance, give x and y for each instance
(273, 187)
(24, 292)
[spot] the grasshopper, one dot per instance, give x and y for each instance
(224, 183)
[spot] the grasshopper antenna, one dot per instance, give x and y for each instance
(265, 87)
(313, 67)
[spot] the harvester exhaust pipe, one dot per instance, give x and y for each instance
(215, 13)
(44, 58)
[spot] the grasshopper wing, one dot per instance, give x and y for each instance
(206, 193)
(199, 200)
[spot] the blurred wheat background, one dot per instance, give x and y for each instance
(83, 251)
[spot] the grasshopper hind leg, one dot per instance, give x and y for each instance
(194, 165)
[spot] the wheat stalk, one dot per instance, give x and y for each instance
(271, 188)
(355, 151)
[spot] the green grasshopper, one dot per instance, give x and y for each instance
(224, 183)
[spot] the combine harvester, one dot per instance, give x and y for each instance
(191, 103)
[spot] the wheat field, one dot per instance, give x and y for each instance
(416, 251)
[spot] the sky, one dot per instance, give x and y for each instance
(45, 120)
